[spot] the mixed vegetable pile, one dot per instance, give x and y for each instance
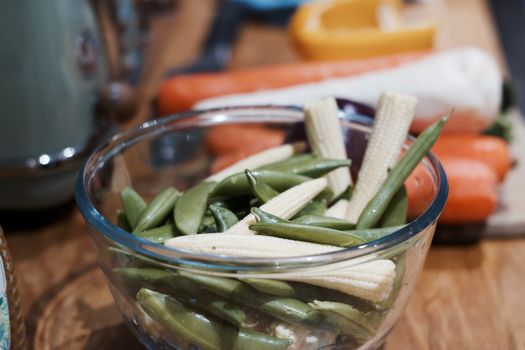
(282, 202)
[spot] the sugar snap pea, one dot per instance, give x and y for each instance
(267, 218)
(372, 234)
(396, 212)
(347, 318)
(191, 207)
(325, 221)
(273, 287)
(122, 220)
(169, 282)
(260, 189)
(159, 234)
(308, 233)
(200, 330)
(285, 164)
(315, 167)
(283, 308)
(133, 205)
(224, 218)
(237, 184)
(399, 173)
(157, 210)
(314, 207)
(208, 224)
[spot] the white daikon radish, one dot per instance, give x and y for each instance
(466, 79)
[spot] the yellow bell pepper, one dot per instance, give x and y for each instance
(347, 29)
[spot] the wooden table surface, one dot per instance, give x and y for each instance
(468, 297)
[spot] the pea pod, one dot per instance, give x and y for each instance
(273, 287)
(285, 309)
(313, 167)
(372, 234)
(200, 330)
(399, 173)
(261, 190)
(122, 220)
(324, 221)
(158, 234)
(267, 218)
(347, 318)
(315, 207)
(237, 184)
(133, 205)
(286, 164)
(171, 283)
(224, 218)
(327, 236)
(191, 207)
(208, 224)
(157, 210)
(308, 233)
(396, 212)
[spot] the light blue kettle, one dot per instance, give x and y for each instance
(53, 68)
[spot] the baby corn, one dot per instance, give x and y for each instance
(326, 139)
(337, 210)
(271, 155)
(285, 205)
(392, 120)
(370, 280)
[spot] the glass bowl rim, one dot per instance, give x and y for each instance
(208, 117)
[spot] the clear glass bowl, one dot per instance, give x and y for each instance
(172, 152)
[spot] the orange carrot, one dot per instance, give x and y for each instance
(472, 191)
(420, 190)
(491, 150)
(182, 92)
(245, 139)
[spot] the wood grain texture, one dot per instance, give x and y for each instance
(468, 297)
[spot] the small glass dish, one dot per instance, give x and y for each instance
(142, 157)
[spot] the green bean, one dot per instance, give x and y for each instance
(399, 173)
(308, 233)
(122, 220)
(260, 189)
(169, 282)
(159, 234)
(133, 205)
(285, 309)
(314, 207)
(237, 184)
(325, 221)
(201, 330)
(157, 210)
(191, 207)
(396, 212)
(224, 218)
(285, 164)
(273, 287)
(347, 318)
